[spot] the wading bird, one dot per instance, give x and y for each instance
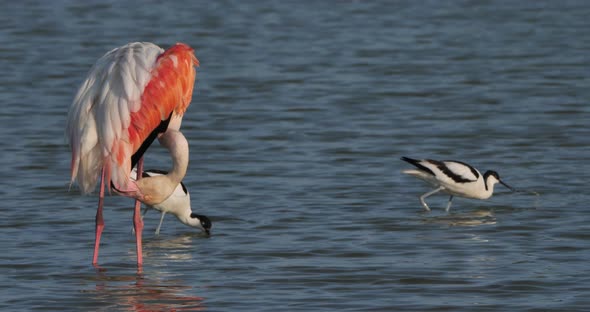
(454, 178)
(131, 96)
(178, 204)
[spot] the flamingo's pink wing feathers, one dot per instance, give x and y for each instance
(126, 95)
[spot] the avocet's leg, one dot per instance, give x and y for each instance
(449, 204)
(159, 225)
(423, 197)
(99, 220)
(137, 222)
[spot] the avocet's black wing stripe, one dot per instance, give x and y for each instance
(416, 163)
(450, 169)
(148, 173)
(155, 171)
(151, 172)
(473, 170)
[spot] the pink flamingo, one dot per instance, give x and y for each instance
(131, 96)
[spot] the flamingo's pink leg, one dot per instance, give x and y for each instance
(137, 222)
(99, 220)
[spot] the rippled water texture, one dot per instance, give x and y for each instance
(300, 115)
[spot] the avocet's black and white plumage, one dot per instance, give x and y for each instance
(455, 178)
(178, 204)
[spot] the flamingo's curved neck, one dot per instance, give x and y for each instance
(177, 145)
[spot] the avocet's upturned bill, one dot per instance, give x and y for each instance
(178, 204)
(454, 178)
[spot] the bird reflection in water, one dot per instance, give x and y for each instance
(175, 248)
(471, 218)
(151, 288)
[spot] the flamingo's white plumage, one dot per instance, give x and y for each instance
(132, 95)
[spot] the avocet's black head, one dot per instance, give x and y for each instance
(492, 178)
(204, 222)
